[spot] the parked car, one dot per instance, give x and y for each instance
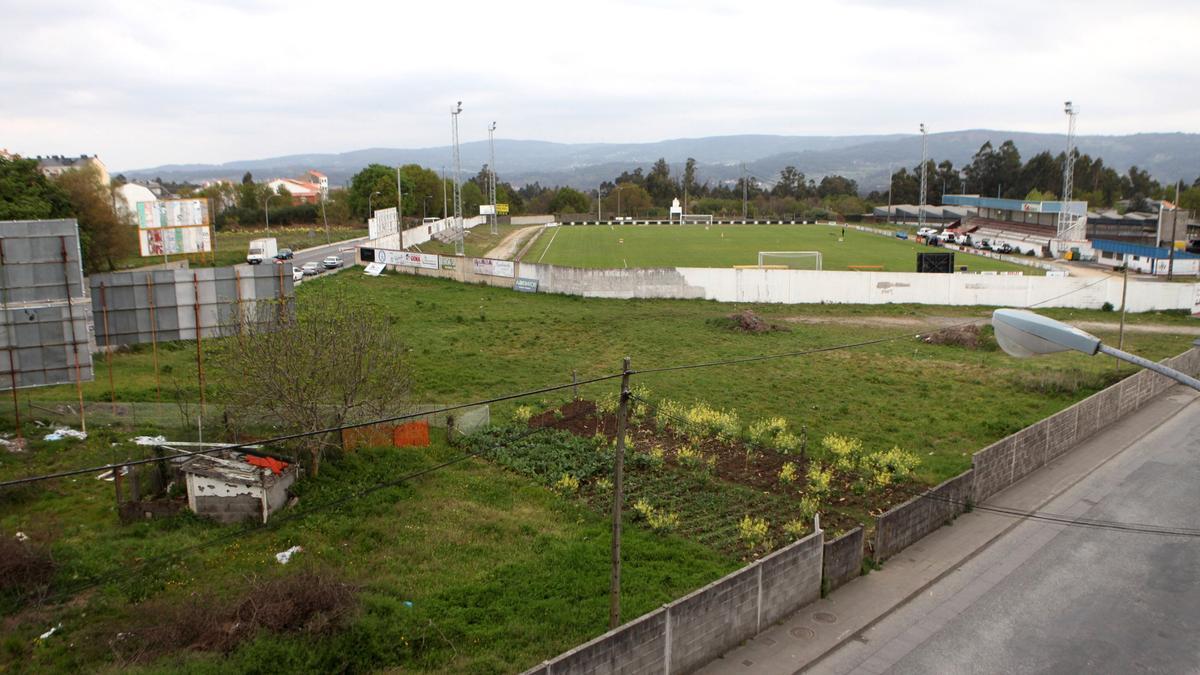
(297, 273)
(332, 262)
(984, 245)
(927, 232)
(950, 238)
(284, 254)
(1004, 248)
(311, 269)
(901, 234)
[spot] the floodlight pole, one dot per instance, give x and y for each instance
(459, 244)
(377, 192)
(890, 181)
(924, 177)
(1068, 222)
(745, 193)
(492, 179)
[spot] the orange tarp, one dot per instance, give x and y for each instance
(411, 433)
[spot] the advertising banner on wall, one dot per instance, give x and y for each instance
(427, 261)
(495, 268)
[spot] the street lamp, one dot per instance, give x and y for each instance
(425, 207)
(377, 192)
(267, 211)
(1022, 333)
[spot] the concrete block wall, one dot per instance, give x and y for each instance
(906, 523)
(691, 631)
(230, 509)
(841, 560)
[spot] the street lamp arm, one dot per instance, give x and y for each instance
(1181, 378)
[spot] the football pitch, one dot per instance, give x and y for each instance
(616, 246)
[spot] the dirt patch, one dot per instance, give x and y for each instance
(26, 569)
(969, 337)
(747, 321)
(508, 246)
(308, 603)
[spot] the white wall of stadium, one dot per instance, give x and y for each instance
(806, 286)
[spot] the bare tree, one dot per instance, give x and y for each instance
(330, 362)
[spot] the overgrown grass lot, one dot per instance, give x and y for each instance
(232, 245)
(616, 246)
(477, 241)
(496, 562)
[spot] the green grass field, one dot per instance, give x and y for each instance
(614, 246)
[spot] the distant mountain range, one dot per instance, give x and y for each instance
(1167, 156)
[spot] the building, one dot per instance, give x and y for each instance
(232, 487)
(127, 196)
(55, 165)
(310, 188)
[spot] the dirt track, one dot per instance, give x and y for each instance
(508, 247)
(941, 321)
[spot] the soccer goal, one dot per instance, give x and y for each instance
(796, 260)
(705, 218)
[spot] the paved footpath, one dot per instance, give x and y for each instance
(878, 621)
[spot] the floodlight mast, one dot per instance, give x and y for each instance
(1068, 222)
(924, 177)
(458, 208)
(495, 218)
(1022, 333)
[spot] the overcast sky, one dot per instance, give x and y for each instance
(182, 81)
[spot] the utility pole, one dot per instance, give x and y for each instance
(598, 217)
(459, 244)
(614, 591)
(492, 179)
(399, 201)
(890, 181)
(324, 218)
(1121, 334)
(745, 193)
(445, 209)
(924, 176)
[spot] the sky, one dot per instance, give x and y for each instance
(187, 81)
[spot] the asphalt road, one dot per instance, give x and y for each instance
(1052, 598)
(342, 249)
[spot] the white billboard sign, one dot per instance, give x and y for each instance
(487, 210)
(172, 240)
(172, 213)
(385, 222)
(495, 268)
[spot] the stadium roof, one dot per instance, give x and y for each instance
(1015, 204)
(1152, 252)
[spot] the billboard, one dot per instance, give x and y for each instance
(172, 240)
(427, 261)
(386, 222)
(495, 268)
(171, 226)
(43, 305)
(487, 210)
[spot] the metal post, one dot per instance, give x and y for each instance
(924, 176)
(267, 211)
(492, 179)
(444, 207)
(890, 181)
(745, 193)
(199, 348)
(12, 368)
(1121, 333)
(575, 384)
(614, 592)
(112, 390)
(154, 332)
(325, 218)
(62, 245)
(459, 244)
(399, 200)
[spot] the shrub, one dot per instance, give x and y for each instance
(845, 451)
(545, 456)
(754, 533)
(608, 404)
(689, 457)
(603, 485)
(788, 474)
(659, 520)
(819, 480)
(772, 432)
(568, 484)
(809, 507)
(889, 466)
(522, 414)
(795, 529)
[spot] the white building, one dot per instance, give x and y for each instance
(127, 197)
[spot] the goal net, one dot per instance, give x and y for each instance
(796, 260)
(705, 218)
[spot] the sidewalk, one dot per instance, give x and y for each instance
(801, 640)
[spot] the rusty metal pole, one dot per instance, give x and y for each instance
(12, 368)
(62, 244)
(614, 590)
(154, 335)
(112, 389)
(237, 290)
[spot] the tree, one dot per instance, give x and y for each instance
(330, 363)
(569, 200)
(104, 238)
(631, 199)
(420, 183)
(659, 184)
(247, 179)
(25, 194)
(791, 183)
(374, 178)
(689, 178)
(837, 185)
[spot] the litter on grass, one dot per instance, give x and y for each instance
(64, 432)
(284, 556)
(149, 440)
(108, 475)
(50, 632)
(21, 536)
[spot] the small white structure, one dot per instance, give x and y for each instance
(676, 211)
(235, 487)
(127, 198)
